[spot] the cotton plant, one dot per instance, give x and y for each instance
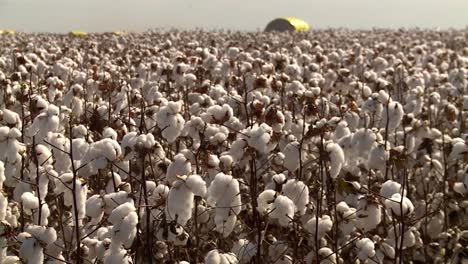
(276, 206)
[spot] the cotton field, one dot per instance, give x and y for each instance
(329, 146)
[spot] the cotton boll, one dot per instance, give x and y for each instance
(244, 250)
(298, 192)
(30, 201)
(180, 203)
(395, 113)
(327, 256)
(95, 207)
(409, 239)
(389, 188)
(31, 251)
(283, 210)
(224, 195)
(170, 121)
(120, 212)
(368, 213)
(259, 136)
(118, 255)
(325, 225)
(214, 257)
(126, 230)
(393, 205)
(337, 159)
(112, 200)
(196, 184)
(378, 157)
(109, 132)
(291, 156)
(180, 166)
(365, 248)
(362, 141)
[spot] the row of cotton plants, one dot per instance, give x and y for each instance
(335, 146)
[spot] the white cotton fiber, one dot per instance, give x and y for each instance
(180, 203)
(325, 225)
(196, 184)
(95, 206)
(291, 156)
(365, 248)
(30, 201)
(399, 206)
(120, 212)
(224, 195)
(298, 192)
(389, 187)
(368, 213)
(337, 159)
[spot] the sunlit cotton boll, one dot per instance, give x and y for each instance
(399, 206)
(337, 159)
(170, 121)
(365, 248)
(298, 192)
(215, 257)
(224, 195)
(325, 225)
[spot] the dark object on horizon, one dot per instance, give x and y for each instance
(287, 24)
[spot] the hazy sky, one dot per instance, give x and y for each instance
(138, 15)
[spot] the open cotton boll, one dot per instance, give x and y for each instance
(116, 255)
(389, 188)
(170, 121)
(180, 203)
(126, 231)
(244, 250)
(224, 195)
(31, 251)
(325, 225)
(291, 156)
(95, 206)
(365, 248)
(215, 257)
(327, 256)
(218, 114)
(259, 136)
(283, 210)
(180, 166)
(393, 205)
(409, 238)
(395, 116)
(368, 213)
(298, 192)
(378, 157)
(362, 141)
(109, 132)
(115, 199)
(120, 212)
(30, 201)
(196, 184)
(337, 159)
